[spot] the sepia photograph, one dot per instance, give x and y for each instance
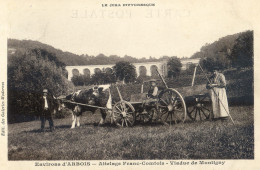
(129, 83)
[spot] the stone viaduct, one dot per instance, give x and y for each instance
(147, 68)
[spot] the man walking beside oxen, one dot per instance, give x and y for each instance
(46, 104)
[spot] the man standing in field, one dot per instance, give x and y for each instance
(46, 103)
(217, 85)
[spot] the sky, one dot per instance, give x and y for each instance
(172, 28)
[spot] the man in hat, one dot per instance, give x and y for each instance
(153, 91)
(152, 96)
(218, 95)
(46, 110)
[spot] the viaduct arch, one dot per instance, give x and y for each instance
(147, 68)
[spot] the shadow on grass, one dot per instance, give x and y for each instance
(187, 121)
(109, 125)
(40, 131)
(68, 127)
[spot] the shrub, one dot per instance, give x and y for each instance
(28, 74)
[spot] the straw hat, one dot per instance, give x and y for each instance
(153, 80)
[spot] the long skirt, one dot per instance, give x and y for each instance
(219, 102)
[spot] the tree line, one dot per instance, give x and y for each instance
(73, 59)
(232, 51)
(126, 72)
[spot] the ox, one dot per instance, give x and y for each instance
(97, 96)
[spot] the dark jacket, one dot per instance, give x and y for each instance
(50, 102)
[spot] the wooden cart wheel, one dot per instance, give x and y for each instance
(123, 114)
(199, 107)
(172, 107)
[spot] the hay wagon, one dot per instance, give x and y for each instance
(171, 107)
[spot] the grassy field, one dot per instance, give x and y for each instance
(191, 140)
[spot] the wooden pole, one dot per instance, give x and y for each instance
(67, 101)
(194, 74)
(142, 88)
(162, 79)
(120, 96)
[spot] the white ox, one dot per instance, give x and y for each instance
(98, 96)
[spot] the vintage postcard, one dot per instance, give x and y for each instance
(129, 84)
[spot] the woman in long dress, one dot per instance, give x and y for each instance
(217, 86)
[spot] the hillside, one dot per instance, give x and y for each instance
(69, 58)
(223, 45)
(66, 57)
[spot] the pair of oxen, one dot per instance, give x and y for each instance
(98, 96)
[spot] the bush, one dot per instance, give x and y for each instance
(243, 52)
(62, 114)
(28, 74)
(174, 67)
(125, 71)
